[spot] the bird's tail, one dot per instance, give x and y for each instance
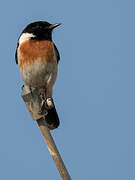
(52, 118)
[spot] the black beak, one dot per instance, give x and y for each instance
(52, 26)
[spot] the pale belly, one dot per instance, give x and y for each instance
(40, 74)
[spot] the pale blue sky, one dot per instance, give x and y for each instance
(94, 92)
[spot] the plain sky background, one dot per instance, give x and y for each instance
(94, 93)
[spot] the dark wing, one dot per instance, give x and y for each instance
(16, 59)
(57, 53)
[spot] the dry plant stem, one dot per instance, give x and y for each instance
(53, 149)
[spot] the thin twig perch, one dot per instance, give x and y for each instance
(53, 150)
(34, 105)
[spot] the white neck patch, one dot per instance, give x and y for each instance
(25, 37)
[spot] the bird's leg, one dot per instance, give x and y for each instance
(42, 96)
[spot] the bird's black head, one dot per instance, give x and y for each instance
(41, 30)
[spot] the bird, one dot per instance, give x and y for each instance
(38, 58)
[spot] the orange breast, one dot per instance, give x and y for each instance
(35, 50)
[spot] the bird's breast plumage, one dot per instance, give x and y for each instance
(37, 62)
(32, 50)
